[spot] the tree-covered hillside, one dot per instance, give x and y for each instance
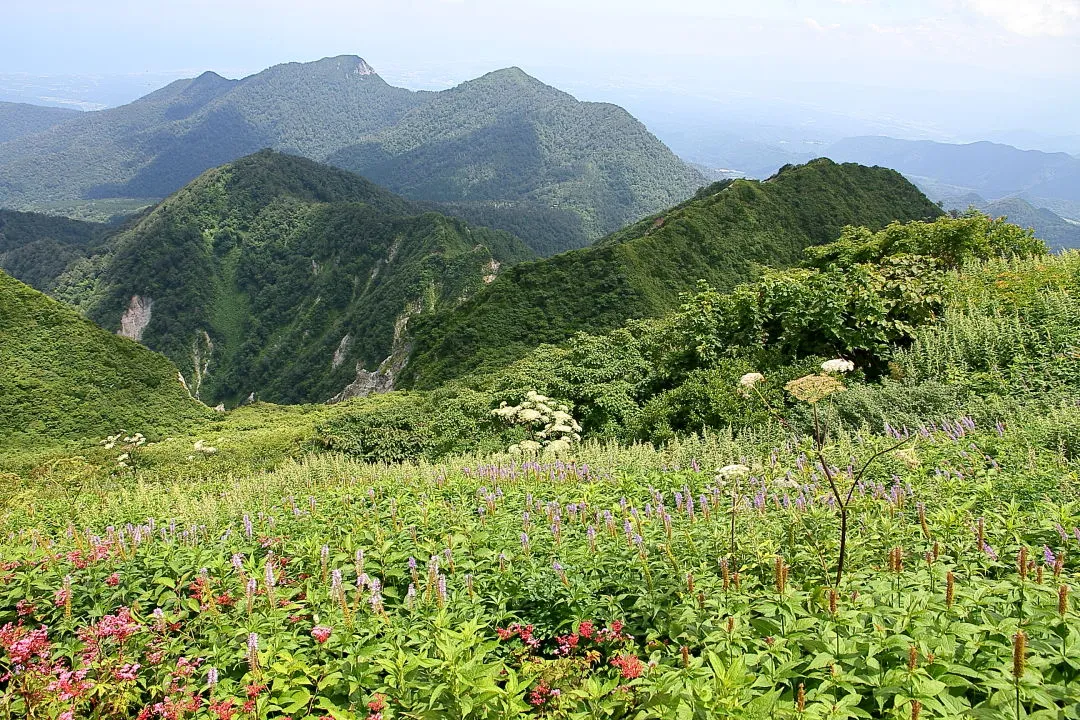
(507, 136)
(21, 119)
(278, 276)
(65, 378)
(718, 236)
(504, 150)
(37, 249)
(153, 146)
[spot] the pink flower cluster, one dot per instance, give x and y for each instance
(321, 633)
(24, 645)
(525, 632)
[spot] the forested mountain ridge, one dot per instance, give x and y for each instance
(153, 146)
(505, 149)
(21, 119)
(719, 236)
(65, 378)
(278, 276)
(508, 136)
(36, 249)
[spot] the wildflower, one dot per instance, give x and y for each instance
(837, 366)
(113, 580)
(750, 379)
(212, 676)
(442, 590)
(630, 666)
(22, 645)
(1019, 654)
(812, 389)
(1048, 556)
(128, 673)
(1063, 600)
(253, 651)
(732, 472)
(321, 633)
(378, 703)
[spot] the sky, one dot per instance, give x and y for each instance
(941, 68)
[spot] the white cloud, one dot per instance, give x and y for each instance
(1032, 17)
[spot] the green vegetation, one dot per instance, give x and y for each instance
(630, 583)
(847, 488)
(719, 236)
(277, 276)
(37, 249)
(508, 137)
(21, 119)
(65, 378)
(572, 171)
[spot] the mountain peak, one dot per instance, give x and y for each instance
(352, 64)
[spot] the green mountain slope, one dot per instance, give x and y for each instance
(278, 276)
(21, 119)
(66, 378)
(718, 236)
(37, 249)
(504, 150)
(153, 146)
(507, 136)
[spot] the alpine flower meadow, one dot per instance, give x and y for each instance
(700, 587)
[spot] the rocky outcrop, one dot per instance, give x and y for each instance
(342, 352)
(137, 316)
(382, 380)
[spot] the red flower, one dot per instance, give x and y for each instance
(539, 694)
(378, 703)
(23, 645)
(630, 666)
(224, 710)
(113, 580)
(585, 629)
(321, 633)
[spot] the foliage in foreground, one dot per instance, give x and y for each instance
(631, 583)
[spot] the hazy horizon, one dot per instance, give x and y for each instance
(957, 70)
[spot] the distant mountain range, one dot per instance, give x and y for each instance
(1057, 232)
(504, 149)
(720, 236)
(991, 170)
(271, 275)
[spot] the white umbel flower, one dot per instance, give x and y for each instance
(749, 380)
(838, 365)
(732, 472)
